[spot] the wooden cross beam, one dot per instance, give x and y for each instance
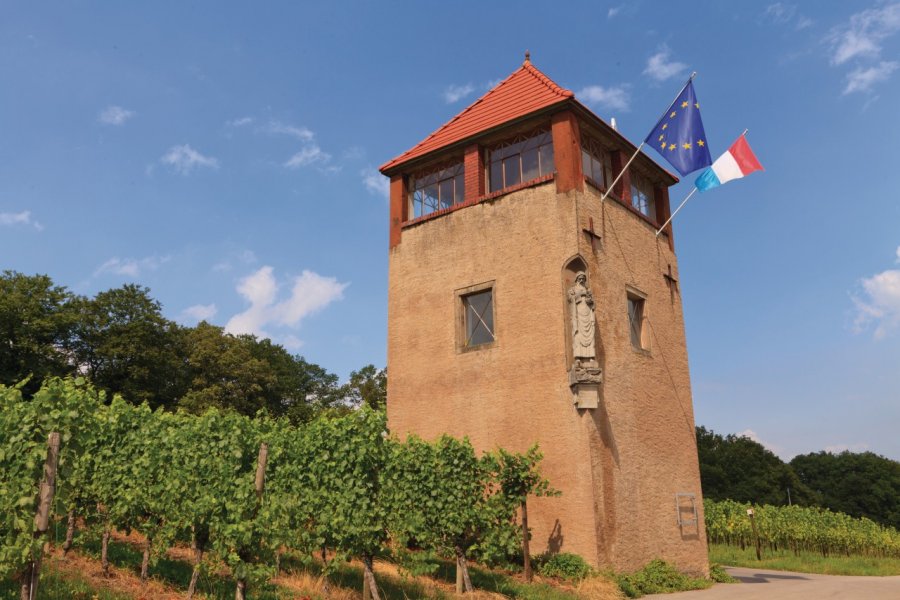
(670, 280)
(590, 231)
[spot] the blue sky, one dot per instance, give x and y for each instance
(224, 155)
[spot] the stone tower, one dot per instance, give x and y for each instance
(523, 309)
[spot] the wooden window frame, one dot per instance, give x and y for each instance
(457, 196)
(461, 329)
(542, 169)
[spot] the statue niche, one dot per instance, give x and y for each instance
(585, 374)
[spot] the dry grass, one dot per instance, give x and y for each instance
(599, 588)
(120, 581)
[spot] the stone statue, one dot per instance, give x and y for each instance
(581, 309)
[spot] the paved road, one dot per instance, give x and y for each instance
(757, 584)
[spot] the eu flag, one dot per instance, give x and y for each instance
(679, 135)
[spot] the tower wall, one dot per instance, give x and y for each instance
(618, 466)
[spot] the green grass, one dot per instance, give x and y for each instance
(659, 577)
(806, 562)
(55, 586)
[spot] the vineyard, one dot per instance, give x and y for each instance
(797, 528)
(244, 491)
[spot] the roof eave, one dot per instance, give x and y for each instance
(392, 168)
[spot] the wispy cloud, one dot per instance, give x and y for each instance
(308, 155)
(114, 115)
(375, 182)
(614, 11)
(309, 293)
(862, 80)
(279, 128)
(863, 36)
(240, 122)
(198, 312)
(246, 257)
(612, 98)
(20, 218)
(131, 267)
(660, 67)
(184, 159)
(878, 304)
(455, 93)
(781, 13)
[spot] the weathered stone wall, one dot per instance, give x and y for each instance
(618, 466)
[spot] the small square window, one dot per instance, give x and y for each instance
(476, 310)
(479, 317)
(636, 317)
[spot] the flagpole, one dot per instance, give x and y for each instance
(683, 202)
(638, 151)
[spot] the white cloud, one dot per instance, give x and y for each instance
(660, 68)
(613, 98)
(131, 267)
(278, 128)
(310, 292)
(114, 115)
(291, 342)
(752, 435)
(199, 312)
(455, 93)
(309, 155)
(375, 182)
(614, 11)
(247, 257)
(240, 122)
(880, 304)
(20, 218)
(804, 22)
(781, 13)
(863, 36)
(862, 80)
(184, 159)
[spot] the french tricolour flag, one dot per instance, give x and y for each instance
(739, 161)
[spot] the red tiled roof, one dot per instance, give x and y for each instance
(526, 91)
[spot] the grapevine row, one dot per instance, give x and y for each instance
(245, 490)
(799, 528)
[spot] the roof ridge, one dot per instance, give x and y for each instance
(458, 116)
(540, 76)
(527, 87)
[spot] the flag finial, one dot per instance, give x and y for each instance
(527, 56)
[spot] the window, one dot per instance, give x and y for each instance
(636, 321)
(596, 163)
(642, 197)
(437, 190)
(522, 159)
(479, 318)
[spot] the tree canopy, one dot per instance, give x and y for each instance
(123, 343)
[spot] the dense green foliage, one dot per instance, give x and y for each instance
(563, 565)
(338, 482)
(734, 467)
(858, 484)
(659, 577)
(799, 528)
(122, 343)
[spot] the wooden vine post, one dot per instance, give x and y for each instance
(32, 573)
(241, 588)
(526, 550)
(752, 515)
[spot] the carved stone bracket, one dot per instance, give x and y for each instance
(585, 379)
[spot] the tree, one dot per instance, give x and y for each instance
(224, 373)
(367, 386)
(125, 345)
(858, 484)
(737, 468)
(36, 322)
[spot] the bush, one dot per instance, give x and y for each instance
(564, 565)
(658, 577)
(718, 574)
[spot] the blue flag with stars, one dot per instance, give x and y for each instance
(679, 135)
